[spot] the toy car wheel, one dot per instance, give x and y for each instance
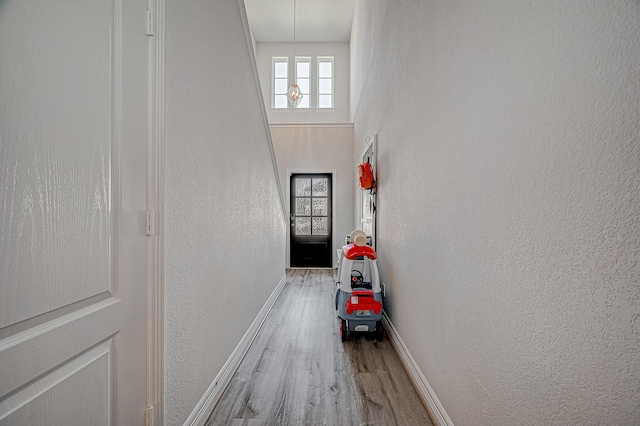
(379, 335)
(344, 330)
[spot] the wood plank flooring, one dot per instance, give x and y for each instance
(298, 372)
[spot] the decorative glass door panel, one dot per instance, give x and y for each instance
(311, 220)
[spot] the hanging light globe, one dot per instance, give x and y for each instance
(294, 95)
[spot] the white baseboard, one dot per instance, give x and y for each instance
(425, 392)
(207, 403)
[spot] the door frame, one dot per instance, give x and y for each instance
(333, 174)
(155, 206)
(311, 240)
(370, 154)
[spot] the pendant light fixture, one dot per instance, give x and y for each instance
(294, 95)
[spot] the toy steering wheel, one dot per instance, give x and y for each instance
(356, 279)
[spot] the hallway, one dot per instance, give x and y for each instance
(298, 372)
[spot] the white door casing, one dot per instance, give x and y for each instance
(73, 194)
(368, 197)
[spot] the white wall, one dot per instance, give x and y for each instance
(320, 148)
(225, 229)
(340, 52)
(509, 206)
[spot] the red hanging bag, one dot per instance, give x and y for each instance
(366, 175)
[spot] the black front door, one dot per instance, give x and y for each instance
(311, 220)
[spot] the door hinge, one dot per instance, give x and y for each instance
(151, 23)
(151, 225)
(148, 414)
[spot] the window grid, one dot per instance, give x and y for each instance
(280, 82)
(303, 79)
(325, 82)
(322, 95)
(311, 206)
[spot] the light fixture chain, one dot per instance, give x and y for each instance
(294, 95)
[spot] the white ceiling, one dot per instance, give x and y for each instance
(316, 20)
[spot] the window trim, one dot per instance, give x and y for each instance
(314, 82)
(274, 60)
(309, 60)
(319, 60)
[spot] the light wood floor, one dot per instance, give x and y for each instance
(298, 372)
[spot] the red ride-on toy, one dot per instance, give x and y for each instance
(358, 292)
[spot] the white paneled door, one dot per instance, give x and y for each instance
(73, 194)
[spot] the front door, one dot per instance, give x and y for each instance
(310, 220)
(73, 188)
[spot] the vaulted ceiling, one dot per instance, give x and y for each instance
(316, 20)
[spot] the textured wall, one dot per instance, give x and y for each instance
(509, 176)
(320, 148)
(225, 233)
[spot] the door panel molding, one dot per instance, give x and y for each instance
(104, 318)
(101, 352)
(47, 317)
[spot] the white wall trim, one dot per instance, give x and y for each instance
(425, 391)
(207, 403)
(295, 125)
(263, 108)
(155, 201)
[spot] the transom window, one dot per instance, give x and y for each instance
(314, 76)
(280, 69)
(325, 82)
(303, 78)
